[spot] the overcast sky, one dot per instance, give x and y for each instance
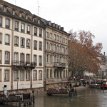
(89, 15)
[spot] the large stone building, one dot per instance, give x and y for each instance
(56, 52)
(21, 48)
(32, 50)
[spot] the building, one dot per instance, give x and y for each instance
(33, 51)
(56, 51)
(21, 48)
(103, 67)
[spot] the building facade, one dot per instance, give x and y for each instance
(56, 52)
(21, 48)
(33, 51)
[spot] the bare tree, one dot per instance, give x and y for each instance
(83, 55)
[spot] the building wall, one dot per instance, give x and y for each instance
(28, 66)
(56, 53)
(22, 84)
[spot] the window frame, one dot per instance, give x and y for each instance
(16, 41)
(7, 57)
(7, 39)
(6, 75)
(28, 43)
(16, 25)
(22, 42)
(1, 35)
(1, 21)
(35, 44)
(7, 23)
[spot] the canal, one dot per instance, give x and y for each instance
(85, 98)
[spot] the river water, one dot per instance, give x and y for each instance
(85, 98)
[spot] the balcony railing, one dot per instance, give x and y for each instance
(23, 65)
(59, 65)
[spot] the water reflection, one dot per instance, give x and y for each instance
(85, 98)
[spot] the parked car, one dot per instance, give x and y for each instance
(104, 85)
(95, 84)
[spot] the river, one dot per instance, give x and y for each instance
(85, 98)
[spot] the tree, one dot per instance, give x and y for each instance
(83, 55)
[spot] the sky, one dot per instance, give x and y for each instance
(88, 15)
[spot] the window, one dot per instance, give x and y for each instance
(40, 74)
(22, 58)
(28, 29)
(35, 45)
(22, 42)
(7, 39)
(16, 57)
(35, 31)
(6, 75)
(16, 76)
(27, 58)
(0, 56)
(16, 41)
(40, 60)
(47, 58)
(7, 57)
(47, 34)
(0, 75)
(50, 73)
(28, 75)
(40, 32)
(0, 38)
(28, 43)
(22, 75)
(0, 21)
(40, 45)
(34, 75)
(7, 23)
(22, 27)
(47, 73)
(35, 59)
(16, 25)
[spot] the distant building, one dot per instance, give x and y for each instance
(103, 68)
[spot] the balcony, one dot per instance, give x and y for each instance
(21, 65)
(59, 65)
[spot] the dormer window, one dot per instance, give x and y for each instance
(38, 21)
(9, 10)
(35, 20)
(5, 9)
(20, 15)
(1, 7)
(13, 12)
(23, 15)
